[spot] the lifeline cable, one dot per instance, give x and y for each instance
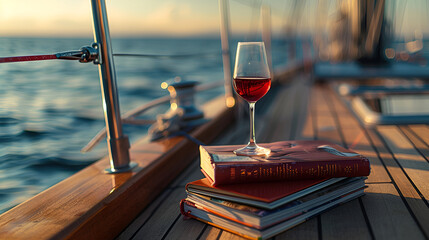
(27, 58)
(75, 55)
(84, 55)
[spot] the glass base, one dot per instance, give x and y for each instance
(250, 150)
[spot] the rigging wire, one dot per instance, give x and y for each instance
(158, 56)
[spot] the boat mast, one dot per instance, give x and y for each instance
(118, 143)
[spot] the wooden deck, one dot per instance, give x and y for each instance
(396, 202)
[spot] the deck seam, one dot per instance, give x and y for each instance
(396, 186)
(313, 115)
(412, 142)
(365, 215)
(375, 134)
(319, 227)
(331, 107)
(301, 107)
(202, 232)
(182, 177)
(373, 183)
(333, 111)
(294, 120)
(176, 187)
(219, 234)
(403, 170)
(152, 213)
(421, 139)
(368, 136)
(171, 226)
(390, 176)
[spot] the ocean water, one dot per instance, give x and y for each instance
(50, 109)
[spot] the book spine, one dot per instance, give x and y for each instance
(188, 213)
(275, 171)
(182, 208)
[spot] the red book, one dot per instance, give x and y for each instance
(263, 195)
(288, 160)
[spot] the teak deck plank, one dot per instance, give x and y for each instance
(419, 144)
(388, 214)
(308, 131)
(164, 217)
(211, 233)
(190, 174)
(224, 235)
(307, 230)
(381, 223)
(394, 207)
(421, 131)
(285, 124)
(342, 221)
(185, 230)
(408, 193)
(326, 126)
(356, 139)
(134, 227)
(285, 97)
(379, 173)
(413, 164)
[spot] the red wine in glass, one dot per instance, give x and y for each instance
(252, 80)
(252, 88)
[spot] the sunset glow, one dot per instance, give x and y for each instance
(65, 18)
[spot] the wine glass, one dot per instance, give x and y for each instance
(252, 80)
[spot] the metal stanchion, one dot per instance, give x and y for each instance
(118, 144)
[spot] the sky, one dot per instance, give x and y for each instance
(72, 18)
(126, 17)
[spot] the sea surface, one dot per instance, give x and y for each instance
(50, 109)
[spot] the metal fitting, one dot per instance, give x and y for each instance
(90, 54)
(70, 55)
(84, 55)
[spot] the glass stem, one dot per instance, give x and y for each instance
(252, 142)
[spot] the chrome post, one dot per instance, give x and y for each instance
(226, 53)
(118, 144)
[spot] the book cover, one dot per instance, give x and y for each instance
(288, 160)
(263, 195)
(190, 210)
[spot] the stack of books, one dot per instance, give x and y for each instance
(259, 197)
